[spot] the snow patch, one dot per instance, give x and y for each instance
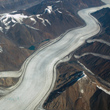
(14, 21)
(59, 11)
(15, 18)
(104, 90)
(58, 1)
(59, 92)
(94, 83)
(21, 47)
(14, 11)
(13, 25)
(76, 56)
(82, 91)
(47, 21)
(32, 27)
(79, 97)
(49, 9)
(32, 19)
(43, 21)
(1, 50)
(9, 20)
(1, 29)
(85, 76)
(7, 23)
(7, 28)
(85, 68)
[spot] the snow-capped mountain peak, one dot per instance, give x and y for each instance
(8, 20)
(16, 18)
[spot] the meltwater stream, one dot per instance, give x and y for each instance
(39, 70)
